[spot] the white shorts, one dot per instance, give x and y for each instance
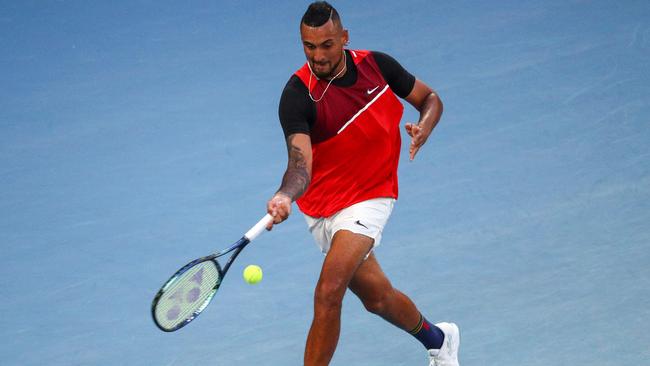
(366, 218)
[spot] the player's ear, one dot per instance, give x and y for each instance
(346, 37)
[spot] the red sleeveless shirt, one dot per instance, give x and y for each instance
(355, 140)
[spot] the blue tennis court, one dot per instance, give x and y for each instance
(138, 135)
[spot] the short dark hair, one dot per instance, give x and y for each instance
(319, 13)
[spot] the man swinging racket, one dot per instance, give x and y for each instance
(340, 117)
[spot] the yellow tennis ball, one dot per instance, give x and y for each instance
(252, 274)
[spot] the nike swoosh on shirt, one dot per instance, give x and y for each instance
(358, 222)
(370, 91)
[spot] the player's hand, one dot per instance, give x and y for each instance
(279, 207)
(418, 135)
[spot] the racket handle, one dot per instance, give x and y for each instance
(256, 230)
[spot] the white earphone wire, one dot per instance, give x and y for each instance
(345, 64)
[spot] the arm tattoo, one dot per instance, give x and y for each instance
(296, 178)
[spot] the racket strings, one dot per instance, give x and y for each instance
(187, 295)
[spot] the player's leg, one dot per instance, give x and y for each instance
(345, 254)
(377, 294)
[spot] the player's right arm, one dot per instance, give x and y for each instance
(297, 113)
(295, 180)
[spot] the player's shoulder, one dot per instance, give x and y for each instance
(382, 57)
(294, 94)
(359, 55)
(294, 84)
(399, 79)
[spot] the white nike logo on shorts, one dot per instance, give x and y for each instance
(370, 91)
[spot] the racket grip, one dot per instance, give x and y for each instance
(256, 230)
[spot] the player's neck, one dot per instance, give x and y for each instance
(340, 70)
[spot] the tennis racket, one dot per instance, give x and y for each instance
(189, 291)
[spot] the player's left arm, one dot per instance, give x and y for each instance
(428, 103)
(417, 93)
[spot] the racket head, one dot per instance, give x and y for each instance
(186, 294)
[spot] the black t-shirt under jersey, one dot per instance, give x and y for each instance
(298, 112)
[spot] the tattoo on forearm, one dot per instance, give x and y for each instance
(296, 178)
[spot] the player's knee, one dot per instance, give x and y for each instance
(329, 295)
(376, 304)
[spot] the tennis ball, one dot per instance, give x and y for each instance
(252, 274)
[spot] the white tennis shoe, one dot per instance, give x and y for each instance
(447, 355)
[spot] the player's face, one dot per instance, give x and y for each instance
(323, 47)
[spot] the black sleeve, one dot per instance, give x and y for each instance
(296, 111)
(399, 80)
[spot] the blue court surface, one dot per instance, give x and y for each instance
(138, 135)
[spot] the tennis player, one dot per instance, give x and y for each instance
(341, 115)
